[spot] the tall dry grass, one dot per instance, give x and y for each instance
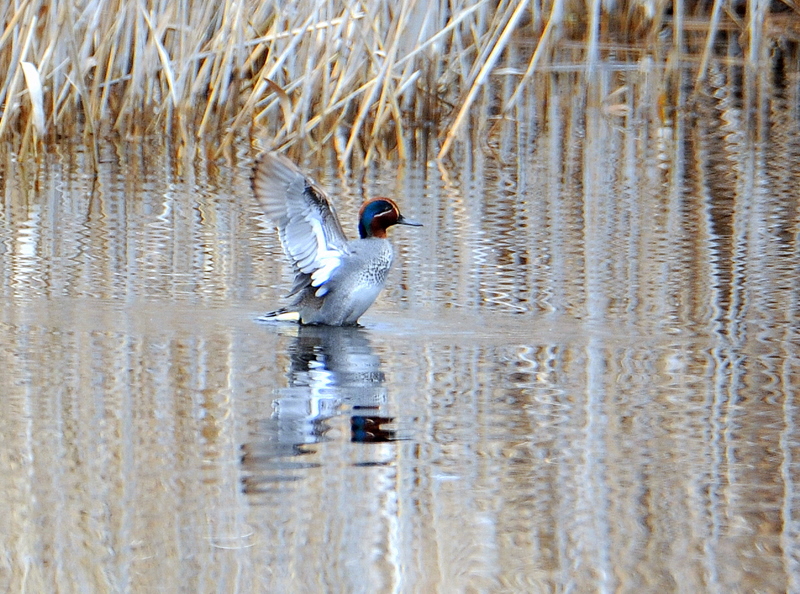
(359, 74)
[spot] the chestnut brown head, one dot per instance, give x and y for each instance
(377, 215)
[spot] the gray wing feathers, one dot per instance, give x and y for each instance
(308, 227)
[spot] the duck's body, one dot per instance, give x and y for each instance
(351, 289)
(336, 280)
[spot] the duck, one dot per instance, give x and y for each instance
(335, 279)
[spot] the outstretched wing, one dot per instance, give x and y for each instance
(307, 224)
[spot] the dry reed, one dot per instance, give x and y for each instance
(361, 75)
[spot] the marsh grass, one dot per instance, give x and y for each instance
(362, 76)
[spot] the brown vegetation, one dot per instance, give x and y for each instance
(357, 74)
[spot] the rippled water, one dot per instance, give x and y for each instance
(581, 376)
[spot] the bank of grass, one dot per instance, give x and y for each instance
(359, 74)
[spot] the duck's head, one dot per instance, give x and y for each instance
(377, 215)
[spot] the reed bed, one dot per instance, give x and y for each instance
(363, 76)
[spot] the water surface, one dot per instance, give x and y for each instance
(581, 376)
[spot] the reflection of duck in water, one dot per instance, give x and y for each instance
(330, 367)
(336, 280)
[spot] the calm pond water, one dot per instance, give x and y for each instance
(581, 376)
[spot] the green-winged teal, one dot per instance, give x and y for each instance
(336, 280)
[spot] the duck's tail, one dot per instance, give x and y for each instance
(280, 315)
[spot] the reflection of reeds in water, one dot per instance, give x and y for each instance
(674, 232)
(359, 75)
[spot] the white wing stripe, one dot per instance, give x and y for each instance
(323, 274)
(327, 259)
